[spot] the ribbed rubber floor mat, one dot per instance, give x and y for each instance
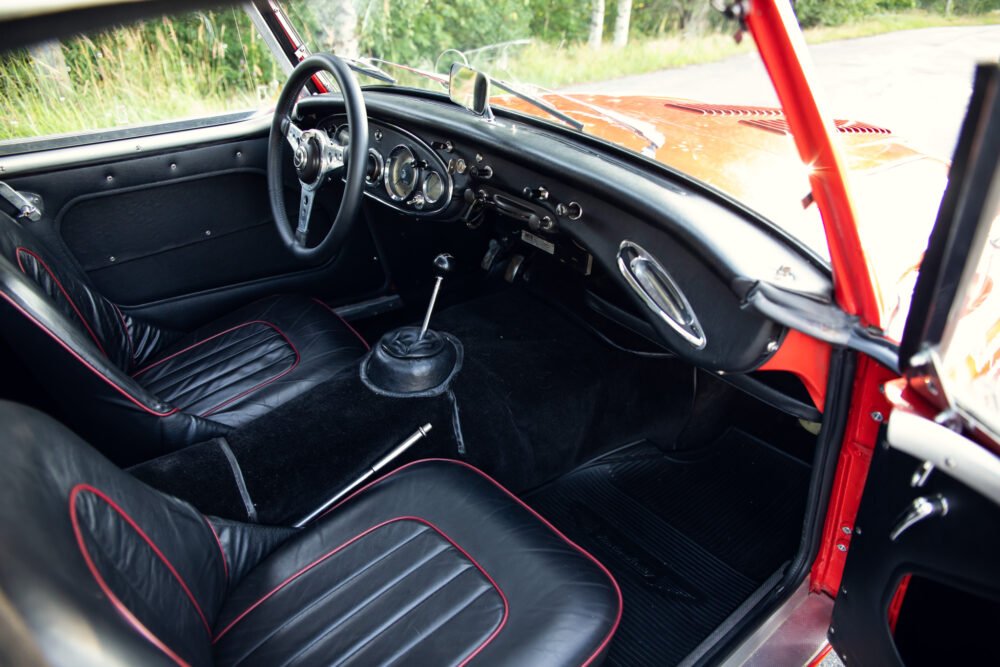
(687, 538)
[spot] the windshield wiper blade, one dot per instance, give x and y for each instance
(369, 69)
(536, 102)
(443, 80)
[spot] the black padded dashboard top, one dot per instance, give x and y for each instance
(601, 197)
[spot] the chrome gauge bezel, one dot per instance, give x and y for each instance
(423, 188)
(387, 171)
(381, 168)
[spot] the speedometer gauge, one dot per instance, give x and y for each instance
(401, 173)
(433, 187)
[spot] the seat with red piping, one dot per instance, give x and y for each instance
(433, 564)
(142, 389)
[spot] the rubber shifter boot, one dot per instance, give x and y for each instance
(404, 363)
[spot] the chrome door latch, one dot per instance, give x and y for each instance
(28, 205)
(921, 508)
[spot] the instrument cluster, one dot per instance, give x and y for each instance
(402, 171)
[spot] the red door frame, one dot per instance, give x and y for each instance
(783, 49)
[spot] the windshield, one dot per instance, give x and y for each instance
(551, 50)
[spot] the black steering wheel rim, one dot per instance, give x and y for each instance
(354, 158)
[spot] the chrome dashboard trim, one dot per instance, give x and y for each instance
(691, 330)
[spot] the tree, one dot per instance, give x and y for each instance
(339, 27)
(597, 23)
(622, 20)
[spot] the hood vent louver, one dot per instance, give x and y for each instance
(780, 126)
(770, 118)
(724, 109)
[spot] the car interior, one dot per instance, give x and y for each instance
(546, 348)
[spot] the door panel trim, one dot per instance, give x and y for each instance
(61, 158)
(949, 452)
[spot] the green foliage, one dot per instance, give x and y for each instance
(838, 12)
(415, 32)
(833, 12)
(195, 64)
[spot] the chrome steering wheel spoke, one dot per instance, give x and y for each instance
(333, 156)
(292, 133)
(305, 211)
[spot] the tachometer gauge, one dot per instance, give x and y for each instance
(433, 187)
(401, 173)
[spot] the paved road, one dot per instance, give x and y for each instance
(915, 82)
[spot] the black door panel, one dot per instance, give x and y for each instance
(164, 239)
(185, 235)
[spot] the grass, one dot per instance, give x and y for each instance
(167, 70)
(883, 23)
(163, 70)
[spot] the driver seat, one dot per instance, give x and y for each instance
(151, 389)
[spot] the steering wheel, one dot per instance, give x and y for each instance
(316, 155)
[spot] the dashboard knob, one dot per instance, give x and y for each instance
(417, 201)
(539, 193)
(484, 172)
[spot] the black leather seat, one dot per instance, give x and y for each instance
(160, 389)
(433, 564)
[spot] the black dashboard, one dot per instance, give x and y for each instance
(681, 256)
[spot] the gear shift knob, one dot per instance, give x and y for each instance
(443, 265)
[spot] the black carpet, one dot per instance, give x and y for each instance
(536, 396)
(688, 536)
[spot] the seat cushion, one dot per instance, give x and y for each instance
(433, 564)
(241, 366)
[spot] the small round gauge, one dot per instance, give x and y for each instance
(342, 135)
(401, 173)
(433, 187)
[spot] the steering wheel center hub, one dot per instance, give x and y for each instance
(308, 158)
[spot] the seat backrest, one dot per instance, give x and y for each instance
(99, 568)
(81, 346)
(125, 341)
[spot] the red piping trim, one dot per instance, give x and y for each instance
(74, 494)
(115, 601)
(72, 304)
(618, 618)
(346, 323)
(225, 566)
(128, 336)
(314, 563)
(132, 399)
(242, 394)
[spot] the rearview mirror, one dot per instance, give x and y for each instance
(470, 88)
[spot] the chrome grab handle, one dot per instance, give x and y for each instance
(921, 508)
(659, 291)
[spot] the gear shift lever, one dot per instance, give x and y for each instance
(410, 360)
(443, 265)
